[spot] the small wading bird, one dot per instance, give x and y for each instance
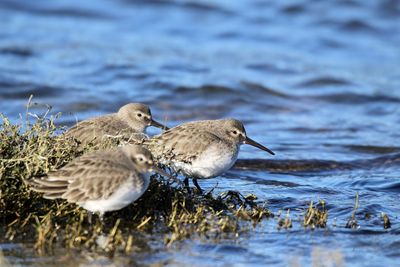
(101, 181)
(201, 149)
(129, 123)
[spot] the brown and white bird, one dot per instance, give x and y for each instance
(129, 123)
(101, 181)
(201, 149)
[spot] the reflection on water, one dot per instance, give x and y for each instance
(315, 81)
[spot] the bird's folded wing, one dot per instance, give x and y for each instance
(91, 176)
(96, 128)
(181, 144)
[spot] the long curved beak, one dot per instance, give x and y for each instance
(158, 125)
(163, 173)
(251, 142)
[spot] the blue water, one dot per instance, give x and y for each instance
(312, 80)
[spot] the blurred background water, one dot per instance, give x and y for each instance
(312, 80)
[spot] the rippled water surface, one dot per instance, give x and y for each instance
(316, 81)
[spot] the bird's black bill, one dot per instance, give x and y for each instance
(163, 173)
(258, 145)
(158, 125)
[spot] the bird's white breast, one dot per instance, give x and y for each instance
(212, 162)
(121, 198)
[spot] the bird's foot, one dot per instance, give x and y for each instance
(197, 186)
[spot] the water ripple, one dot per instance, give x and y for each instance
(324, 81)
(23, 52)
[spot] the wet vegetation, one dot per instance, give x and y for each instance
(352, 222)
(386, 221)
(316, 215)
(30, 150)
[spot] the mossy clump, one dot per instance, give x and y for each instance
(32, 149)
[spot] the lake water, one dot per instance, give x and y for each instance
(318, 82)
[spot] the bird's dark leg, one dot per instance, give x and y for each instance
(186, 182)
(197, 185)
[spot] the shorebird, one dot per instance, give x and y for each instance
(129, 123)
(201, 149)
(101, 181)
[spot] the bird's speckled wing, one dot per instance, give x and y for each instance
(93, 130)
(90, 177)
(182, 143)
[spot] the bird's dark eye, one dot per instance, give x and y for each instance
(235, 132)
(139, 115)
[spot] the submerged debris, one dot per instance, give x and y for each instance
(32, 149)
